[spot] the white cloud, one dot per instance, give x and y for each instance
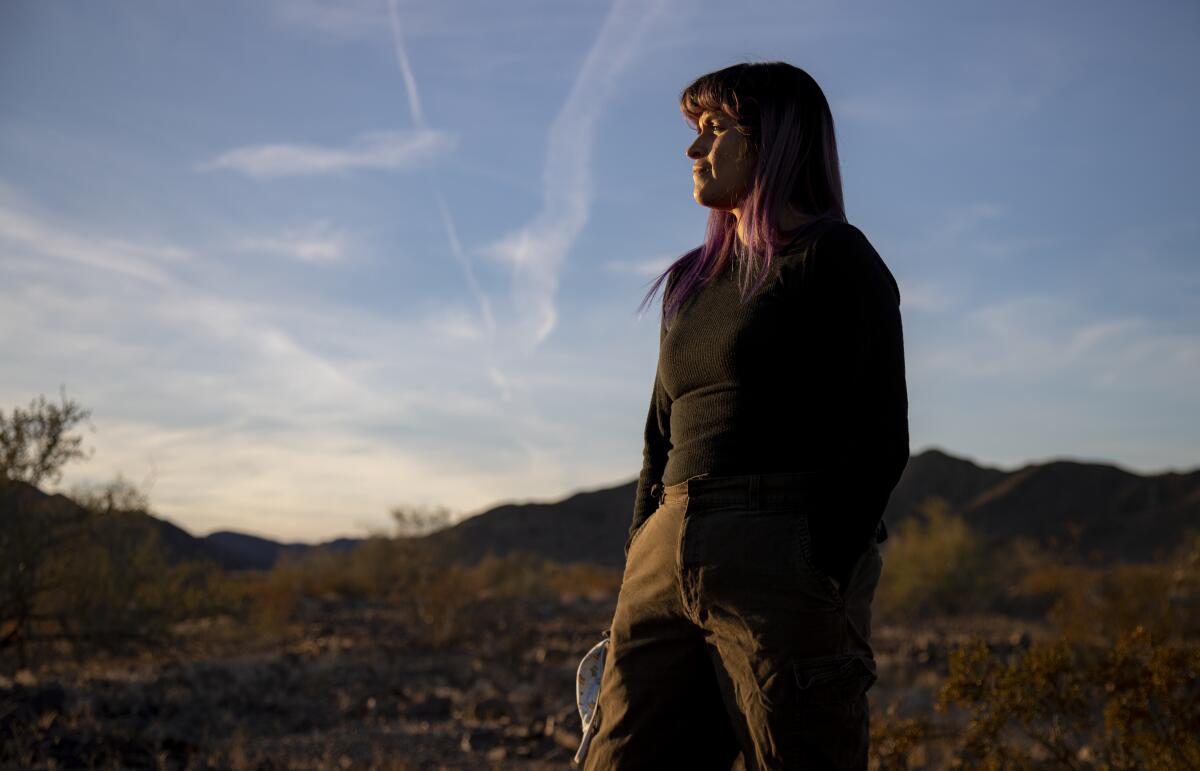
(26, 230)
(390, 150)
(535, 252)
(650, 267)
(418, 117)
(293, 483)
(317, 244)
(455, 324)
(1036, 338)
(295, 421)
(924, 297)
(500, 380)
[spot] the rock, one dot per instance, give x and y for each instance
(489, 709)
(525, 698)
(430, 708)
(480, 740)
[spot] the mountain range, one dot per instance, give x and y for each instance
(1098, 511)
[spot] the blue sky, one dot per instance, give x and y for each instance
(306, 261)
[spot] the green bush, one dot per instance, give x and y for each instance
(1090, 604)
(1132, 705)
(935, 564)
(433, 591)
(88, 581)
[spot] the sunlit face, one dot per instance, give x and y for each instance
(724, 162)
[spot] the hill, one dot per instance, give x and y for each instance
(1108, 513)
(1105, 513)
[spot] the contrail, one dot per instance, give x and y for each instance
(536, 251)
(410, 83)
(485, 305)
(418, 117)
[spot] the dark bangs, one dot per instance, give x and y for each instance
(717, 92)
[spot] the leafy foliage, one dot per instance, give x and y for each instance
(35, 443)
(936, 565)
(1063, 705)
(89, 580)
(419, 520)
(434, 592)
(1091, 604)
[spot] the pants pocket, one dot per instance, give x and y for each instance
(832, 721)
(804, 547)
(634, 534)
(830, 680)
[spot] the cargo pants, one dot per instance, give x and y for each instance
(728, 639)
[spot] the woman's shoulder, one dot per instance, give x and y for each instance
(822, 242)
(842, 240)
(842, 252)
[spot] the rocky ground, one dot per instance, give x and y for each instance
(352, 686)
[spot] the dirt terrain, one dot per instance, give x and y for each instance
(352, 686)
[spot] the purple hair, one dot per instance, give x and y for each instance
(786, 120)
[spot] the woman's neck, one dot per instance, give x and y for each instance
(789, 219)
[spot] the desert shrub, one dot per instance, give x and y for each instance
(108, 594)
(896, 740)
(434, 592)
(1099, 604)
(395, 570)
(88, 581)
(117, 591)
(117, 494)
(1135, 704)
(584, 579)
(319, 574)
(34, 536)
(935, 564)
(36, 442)
(413, 520)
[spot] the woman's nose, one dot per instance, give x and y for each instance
(695, 150)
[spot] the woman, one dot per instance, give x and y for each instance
(778, 427)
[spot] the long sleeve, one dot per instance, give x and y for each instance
(656, 444)
(852, 303)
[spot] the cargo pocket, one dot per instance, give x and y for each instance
(832, 680)
(832, 721)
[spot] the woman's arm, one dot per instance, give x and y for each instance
(656, 444)
(852, 304)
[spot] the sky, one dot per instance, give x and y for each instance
(308, 261)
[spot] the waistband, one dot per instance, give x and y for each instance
(753, 491)
(750, 490)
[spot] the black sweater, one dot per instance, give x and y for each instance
(808, 375)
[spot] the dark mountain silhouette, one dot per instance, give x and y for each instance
(231, 551)
(1101, 512)
(128, 526)
(586, 527)
(252, 552)
(1104, 513)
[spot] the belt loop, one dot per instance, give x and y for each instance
(752, 492)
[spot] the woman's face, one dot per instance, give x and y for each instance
(724, 162)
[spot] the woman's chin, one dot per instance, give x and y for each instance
(711, 202)
(705, 198)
